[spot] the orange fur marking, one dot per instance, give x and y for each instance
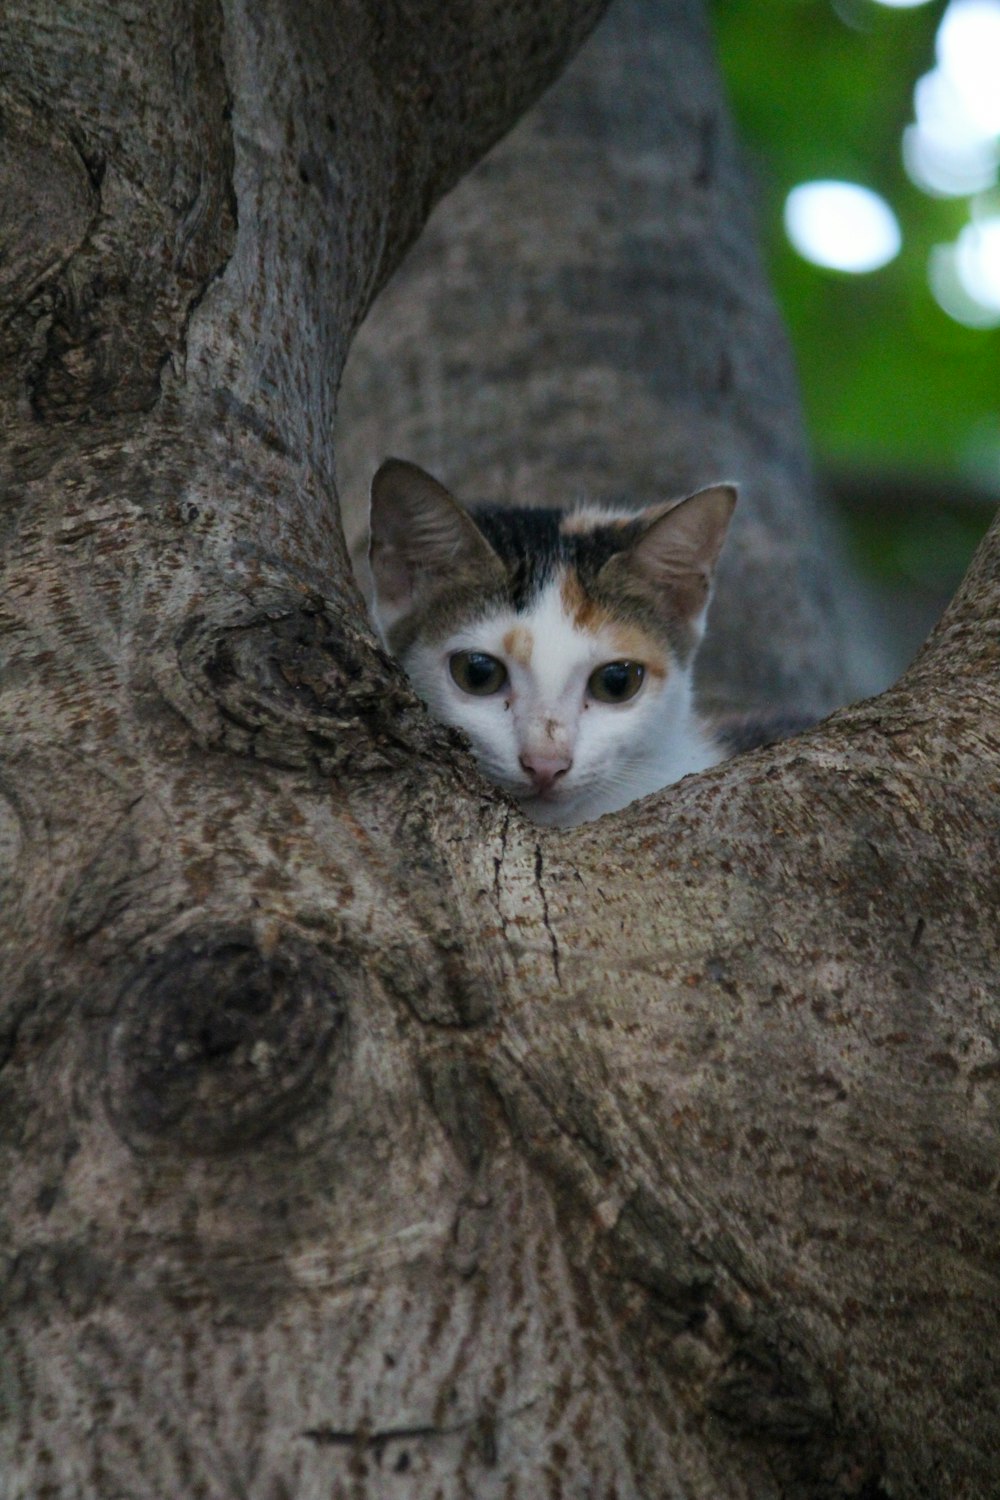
(628, 642)
(585, 612)
(633, 644)
(519, 644)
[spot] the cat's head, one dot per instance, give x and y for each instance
(561, 642)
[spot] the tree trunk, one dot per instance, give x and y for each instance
(359, 1139)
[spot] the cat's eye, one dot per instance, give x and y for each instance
(476, 672)
(616, 681)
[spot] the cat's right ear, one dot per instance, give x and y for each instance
(421, 541)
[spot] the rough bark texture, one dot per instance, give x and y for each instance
(359, 1140)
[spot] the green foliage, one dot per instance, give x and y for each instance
(890, 381)
(927, 546)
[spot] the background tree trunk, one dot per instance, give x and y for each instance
(586, 315)
(359, 1139)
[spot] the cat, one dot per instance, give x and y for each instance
(560, 641)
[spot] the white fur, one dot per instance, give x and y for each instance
(620, 751)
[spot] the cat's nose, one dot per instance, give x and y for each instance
(545, 770)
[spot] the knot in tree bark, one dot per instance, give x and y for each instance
(301, 685)
(222, 1038)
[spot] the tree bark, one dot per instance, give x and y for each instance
(358, 1138)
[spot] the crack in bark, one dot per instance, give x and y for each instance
(498, 860)
(348, 1438)
(545, 912)
(484, 1425)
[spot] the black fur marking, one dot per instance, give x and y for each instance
(532, 547)
(527, 543)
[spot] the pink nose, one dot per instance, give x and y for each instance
(545, 770)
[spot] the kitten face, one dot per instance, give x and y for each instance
(560, 642)
(544, 734)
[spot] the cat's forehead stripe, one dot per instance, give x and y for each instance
(519, 643)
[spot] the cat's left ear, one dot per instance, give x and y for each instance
(679, 547)
(422, 542)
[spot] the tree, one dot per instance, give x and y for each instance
(360, 1139)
